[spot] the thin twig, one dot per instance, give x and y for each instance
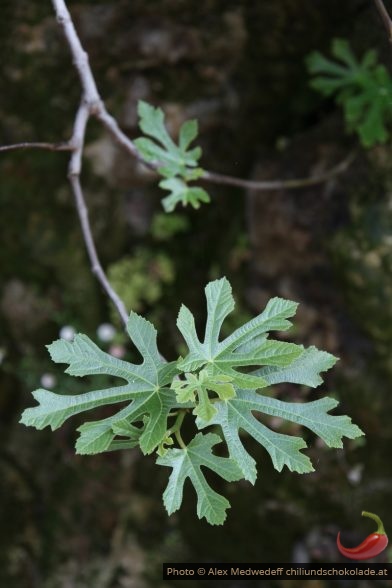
(208, 176)
(78, 135)
(111, 125)
(80, 57)
(38, 145)
(75, 165)
(92, 252)
(91, 94)
(386, 19)
(91, 104)
(280, 184)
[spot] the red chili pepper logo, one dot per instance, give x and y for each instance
(371, 546)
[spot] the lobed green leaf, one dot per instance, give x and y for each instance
(246, 346)
(144, 390)
(303, 370)
(153, 390)
(181, 193)
(177, 163)
(285, 450)
(364, 89)
(187, 463)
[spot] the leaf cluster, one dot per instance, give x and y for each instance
(217, 383)
(363, 89)
(176, 163)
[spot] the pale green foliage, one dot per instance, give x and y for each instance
(198, 385)
(304, 370)
(216, 382)
(363, 88)
(173, 159)
(181, 193)
(285, 450)
(186, 463)
(246, 346)
(177, 163)
(143, 388)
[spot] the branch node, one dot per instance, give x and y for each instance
(95, 107)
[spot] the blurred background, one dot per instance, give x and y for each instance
(239, 67)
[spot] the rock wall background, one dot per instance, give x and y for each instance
(238, 67)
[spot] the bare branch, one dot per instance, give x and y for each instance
(386, 19)
(92, 105)
(37, 145)
(80, 57)
(92, 252)
(111, 125)
(98, 109)
(91, 95)
(78, 135)
(75, 165)
(280, 184)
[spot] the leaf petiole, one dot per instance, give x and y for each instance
(177, 426)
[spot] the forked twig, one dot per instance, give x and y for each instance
(93, 105)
